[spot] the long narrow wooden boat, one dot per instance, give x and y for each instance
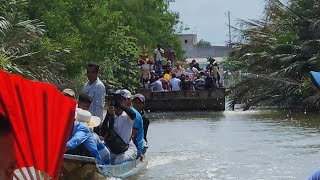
(82, 167)
(184, 100)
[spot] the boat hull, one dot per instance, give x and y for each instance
(80, 167)
(185, 100)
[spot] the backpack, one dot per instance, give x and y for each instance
(113, 141)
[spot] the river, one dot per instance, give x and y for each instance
(233, 145)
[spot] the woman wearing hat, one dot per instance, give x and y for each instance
(81, 140)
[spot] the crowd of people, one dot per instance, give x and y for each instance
(118, 137)
(121, 135)
(169, 77)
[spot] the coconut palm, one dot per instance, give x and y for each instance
(19, 55)
(15, 39)
(279, 51)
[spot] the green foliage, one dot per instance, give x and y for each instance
(278, 51)
(111, 33)
(151, 22)
(203, 43)
(232, 64)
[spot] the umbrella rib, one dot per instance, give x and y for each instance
(24, 116)
(45, 133)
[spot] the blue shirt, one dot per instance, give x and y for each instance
(315, 176)
(81, 134)
(157, 86)
(138, 124)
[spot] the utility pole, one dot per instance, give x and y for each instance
(229, 25)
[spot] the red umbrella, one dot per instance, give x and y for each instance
(42, 119)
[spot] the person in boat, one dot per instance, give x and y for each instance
(7, 155)
(158, 58)
(196, 65)
(178, 70)
(192, 70)
(84, 101)
(145, 65)
(216, 74)
(167, 67)
(175, 83)
(210, 83)
(186, 83)
(213, 70)
(122, 118)
(165, 83)
(171, 55)
(138, 103)
(69, 93)
(96, 89)
(157, 85)
(81, 141)
(199, 83)
(153, 76)
(138, 133)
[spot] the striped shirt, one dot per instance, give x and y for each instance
(97, 91)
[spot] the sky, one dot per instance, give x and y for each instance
(209, 20)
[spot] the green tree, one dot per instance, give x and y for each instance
(17, 38)
(279, 51)
(151, 22)
(54, 40)
(204, 43)
(110, 33)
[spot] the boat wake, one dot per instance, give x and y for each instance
(163, 159)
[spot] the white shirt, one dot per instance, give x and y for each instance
(145, 66)
(158, 54)
(97, 91)
(175, 83)
(192, 70)
(123, 126)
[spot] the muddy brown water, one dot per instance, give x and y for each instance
(261, 144)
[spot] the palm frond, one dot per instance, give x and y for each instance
(32, 26)
(4, 25)
(265, 90)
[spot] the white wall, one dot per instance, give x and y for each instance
(194, 51)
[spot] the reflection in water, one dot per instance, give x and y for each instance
(233, 145)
